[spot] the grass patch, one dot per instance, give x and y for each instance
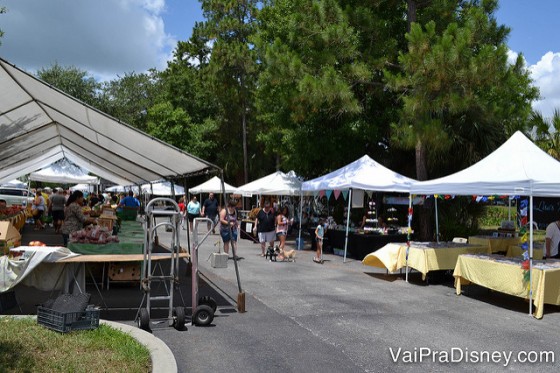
(26, 346)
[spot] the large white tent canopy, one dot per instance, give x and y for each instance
(517, 167)
(364, 173)
(277, 183)
(160, 188)
(214, 185)
(63, 172)
(40, 125)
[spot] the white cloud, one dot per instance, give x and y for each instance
(546, 76)
(105, 38)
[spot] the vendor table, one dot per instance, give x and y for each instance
(359, 245)
(506, 275)
(422, 256)
(494, 244)
(517, 251)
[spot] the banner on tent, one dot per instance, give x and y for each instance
(357, 198)
(392, 200)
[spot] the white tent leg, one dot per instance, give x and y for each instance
(530, 255)
(408, 234)
(347, 225)
(437, 222)
(300, 217)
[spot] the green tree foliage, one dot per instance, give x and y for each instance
(230, 75)
(72, 80)
(547, 132)
(457, 88)
(2, 11)
(129, 98)
(306, 100)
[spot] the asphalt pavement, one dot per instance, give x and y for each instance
(347, 317)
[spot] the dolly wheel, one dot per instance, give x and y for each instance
(209, 301)
(179, 321)
(203, 315)
(144, 320)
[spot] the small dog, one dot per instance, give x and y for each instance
(271, 252)
(290, 255)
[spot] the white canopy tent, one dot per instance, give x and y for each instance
(517, 167)
(364, 173)
(277, 183)
(214, 185)
(163, 188)
(15, 183)
(63, 172)
(40, 125)
(89, 188)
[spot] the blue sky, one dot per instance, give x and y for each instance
(113, 37)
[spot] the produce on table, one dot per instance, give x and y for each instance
(93, 234)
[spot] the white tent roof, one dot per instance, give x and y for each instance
(364, 173)
(518, 167)
(214, 185)
(277, 183)
(84, 187)
(40, 125)
(15, 183)
(160, 188)
(163, 188)
(63, 172)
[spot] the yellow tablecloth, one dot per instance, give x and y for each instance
(421, 257)
(517, 251)
(391, 256)
(494, 244)
(507, 277)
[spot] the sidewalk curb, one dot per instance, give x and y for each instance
(162, 357)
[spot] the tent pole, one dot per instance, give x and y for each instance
(437, 221)
(300, 217)
(408, 233)
(509, 208)
(347, 225)
(241, 294)
(531, 254)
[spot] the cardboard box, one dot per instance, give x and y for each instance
(9, 237)
(106, 221)
(108, 211)
(219, 260)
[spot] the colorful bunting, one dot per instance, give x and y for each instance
(329, 193)
(345, 194)
(336, 194)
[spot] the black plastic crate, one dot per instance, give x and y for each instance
(67, 321)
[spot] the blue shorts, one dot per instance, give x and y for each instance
(226, 236)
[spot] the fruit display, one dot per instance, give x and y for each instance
(37, 243)
(15, 215)
(93, 234)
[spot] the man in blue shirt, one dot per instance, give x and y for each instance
(130, 201)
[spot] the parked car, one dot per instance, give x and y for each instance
(16, 196)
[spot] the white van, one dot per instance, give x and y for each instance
(16, 196)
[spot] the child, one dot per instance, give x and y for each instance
(319, 234)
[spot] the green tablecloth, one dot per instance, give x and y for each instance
(131, 241)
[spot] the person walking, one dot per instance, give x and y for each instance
(265, 226)
(193, 211)
(282, 223)
(58, 201)
(229, 226)
(319, 235)
(210, 210)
